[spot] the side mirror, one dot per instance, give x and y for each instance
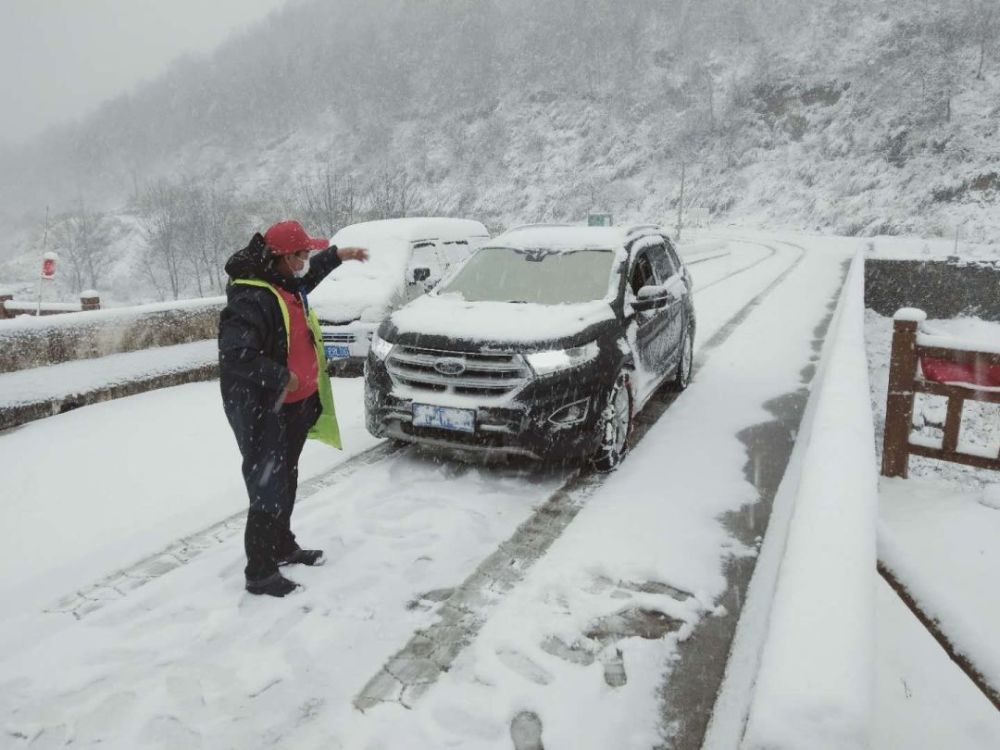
(421, 274)
(651, 297)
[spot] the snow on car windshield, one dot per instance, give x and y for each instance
(542, 276)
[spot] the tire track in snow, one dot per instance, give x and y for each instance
(772, 252)
(117, 585)
(414, 669)
(662, 399)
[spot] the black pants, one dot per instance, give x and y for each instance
(269, 536)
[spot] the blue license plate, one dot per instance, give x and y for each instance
(336, 352)
(444, 418)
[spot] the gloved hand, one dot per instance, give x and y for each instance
(353, 253)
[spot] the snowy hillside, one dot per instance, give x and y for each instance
(840, 116)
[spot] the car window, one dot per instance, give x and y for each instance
(455, 250)
(425, 255)
(662, 264)
(642, 273)
(546, 277)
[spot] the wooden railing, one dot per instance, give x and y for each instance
(905, 382)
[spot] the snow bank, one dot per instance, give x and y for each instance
(56, 382)
(924, 700)
(940, 541)
(816, 682)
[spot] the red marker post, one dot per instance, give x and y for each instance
(48, 274)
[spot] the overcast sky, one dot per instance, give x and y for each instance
(59, 59)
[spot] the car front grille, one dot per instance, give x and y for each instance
(465, 373)
(339, 338)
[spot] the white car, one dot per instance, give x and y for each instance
(407, 258)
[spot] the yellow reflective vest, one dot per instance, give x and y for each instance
(326, 428)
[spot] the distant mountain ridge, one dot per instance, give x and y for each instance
(840, 115)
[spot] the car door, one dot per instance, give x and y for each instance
(424, 269)
(669, 274)
(651, 325)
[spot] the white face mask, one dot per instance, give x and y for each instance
(303, 271)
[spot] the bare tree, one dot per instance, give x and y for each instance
(227, 218)
(84, 239)
(984, 22)
(701, 78)
(390, 194)
(947, 38)
(327, 201)
(189, 229)
(161, 212)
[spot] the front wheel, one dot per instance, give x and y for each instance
(614, 426)
(683, 377)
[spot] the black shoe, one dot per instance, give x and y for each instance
(304, 557)
(274, 585)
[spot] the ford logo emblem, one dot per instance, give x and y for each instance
(450, 366)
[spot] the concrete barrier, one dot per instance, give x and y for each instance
(28, 342)
(815, 642)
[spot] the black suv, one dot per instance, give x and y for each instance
(544, 343)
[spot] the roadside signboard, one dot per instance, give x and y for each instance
(49, 266)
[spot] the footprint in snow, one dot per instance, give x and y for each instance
(526, 667)
(614, 668)
(526, 731)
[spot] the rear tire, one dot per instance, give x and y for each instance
(614, 426)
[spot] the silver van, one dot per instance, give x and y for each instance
(407, 258)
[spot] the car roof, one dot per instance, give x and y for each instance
(414, 228)
(574, 235)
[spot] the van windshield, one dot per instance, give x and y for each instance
(546, 277)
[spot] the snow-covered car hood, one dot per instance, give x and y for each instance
(363, 290)
(347, 298)
(451, 315)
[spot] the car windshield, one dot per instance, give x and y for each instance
(546, 277)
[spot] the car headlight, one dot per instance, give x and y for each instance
(381, 347)
(554, 360)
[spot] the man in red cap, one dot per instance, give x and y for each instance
(275, 388)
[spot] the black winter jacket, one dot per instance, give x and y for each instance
(253, 343)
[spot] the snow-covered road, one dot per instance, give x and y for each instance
(188, 660)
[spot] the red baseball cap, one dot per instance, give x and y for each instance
(289, 237)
